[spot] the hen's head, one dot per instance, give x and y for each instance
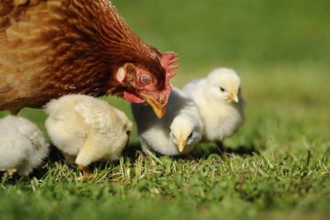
(124, 64)
(148, 83)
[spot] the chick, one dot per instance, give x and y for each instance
(86, 129)
(220, 102)
(176, 133)
(22, 145)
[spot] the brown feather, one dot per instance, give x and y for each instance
(57, 47)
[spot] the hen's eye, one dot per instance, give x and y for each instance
(222, 89)
(146, 79)
(190, 135)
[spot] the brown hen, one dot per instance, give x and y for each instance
(49, 48)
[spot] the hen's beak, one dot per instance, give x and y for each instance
(158, 107)
(233, 96)
(181, 143)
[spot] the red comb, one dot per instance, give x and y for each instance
(169, 75)
(167, 61)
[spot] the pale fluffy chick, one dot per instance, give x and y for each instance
(22, 145)
(220, 103)
(176, 133)
(86, 129)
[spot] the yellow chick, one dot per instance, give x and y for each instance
(220, 102)
(86, 129)
(176, 133)
(22, 145)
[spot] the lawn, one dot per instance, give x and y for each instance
(276, 167)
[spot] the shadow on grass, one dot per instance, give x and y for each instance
(207, 149)
(131, 154)
(134, 151)
(204, 150)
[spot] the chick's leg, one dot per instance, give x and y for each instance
(84, 169)
(88, 154)
(9, 172)
(83, 160)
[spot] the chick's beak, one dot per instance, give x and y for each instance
(181, 143)
(233, 96)
(158, 107)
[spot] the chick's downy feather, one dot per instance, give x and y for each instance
(54, 47)
(22, 145)
(219, 99)
(87, 129)
(175, 134)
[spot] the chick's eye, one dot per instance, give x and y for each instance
(146, 79)
(222, 89)
(190, 135)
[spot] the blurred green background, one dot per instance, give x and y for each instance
(232, 32)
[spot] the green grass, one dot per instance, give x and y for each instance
(277, 165)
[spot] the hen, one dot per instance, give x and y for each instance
(50, 48)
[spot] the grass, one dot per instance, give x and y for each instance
(277, 165)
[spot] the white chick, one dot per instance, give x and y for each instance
(176, 133)
(86, 129)
(22, 145)
(220, 103)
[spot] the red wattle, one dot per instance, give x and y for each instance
(132, 98)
